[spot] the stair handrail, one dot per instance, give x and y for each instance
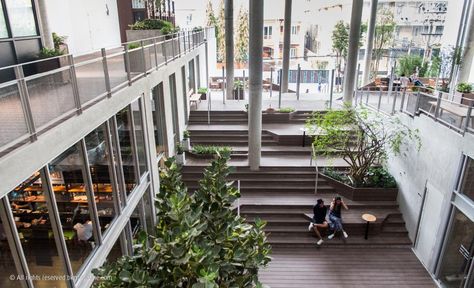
(313, 156)
(238, 199)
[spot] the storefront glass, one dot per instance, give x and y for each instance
(100, 169)
(22, 18)
(7, 265)
(140, 136)
(33, 224)
(72, 201)
(467, 183)
(159, 119)
(3, 24)
(124, 128)
(458, 253)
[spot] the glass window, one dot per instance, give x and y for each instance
(99, 166)
(294, 30)
(22, 18)
(185, 93)
(34, 229)
(159, 119)
(3, 24)
(267, 32)
(458, 252)
(126, 150)
(71, 199)
(467, 183)
(174, 105)
(6, 261)
(292, 52)
(140, 136)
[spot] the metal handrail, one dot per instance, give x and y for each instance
(68, 70)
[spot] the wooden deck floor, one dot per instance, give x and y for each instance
(345, 267)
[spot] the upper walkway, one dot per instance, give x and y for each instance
(38, 95)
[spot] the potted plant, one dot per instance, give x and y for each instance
(203, 91)
(464, 94)
(209, 151)
(186, 140)
(180, 156)
(239, 90)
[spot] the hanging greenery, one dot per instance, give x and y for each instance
(242, 42)
(221, 33)
(199, 240)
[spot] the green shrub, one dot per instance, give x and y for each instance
(186, 134)
(154, 24)
(210, 149)
(286, 110)
(58, 41)
(203, 90)
(48, 53)
(339, 176)
(380, 178)
(238, 85)
(134, 45)
(198, 241)
(464, 87)
(179, 148)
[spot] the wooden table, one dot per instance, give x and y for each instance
(368, 218)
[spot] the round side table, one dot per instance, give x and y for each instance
(368, 218)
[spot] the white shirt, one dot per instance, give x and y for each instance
(404, 81)
(84, 231)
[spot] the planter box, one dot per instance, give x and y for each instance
(364, 193)
(186, 144)
(135, 35)
(464, 98)
(203, 96)
(276, 117)
(203, 156)
(46, 65)
(181, 159)
(138, 63)
(238, 94)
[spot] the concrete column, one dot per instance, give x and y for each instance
(255, 82)
(229, 47)
(46, 35)
(467, 47)
(370, 42)
(352, 53)
(286, 46)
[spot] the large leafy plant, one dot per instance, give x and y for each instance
(363, 139)
(199, 240)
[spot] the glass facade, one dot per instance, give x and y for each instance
(174, 107)
(467, 181)
(159, 119)
(3, 24)
(62, 214)
(22, 17)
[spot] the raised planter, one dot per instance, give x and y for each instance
(464, 98)
(202, 156)
(277, 117)
(135, 35)
(364, 193)
(138, 63)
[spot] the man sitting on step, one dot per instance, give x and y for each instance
(319, 220)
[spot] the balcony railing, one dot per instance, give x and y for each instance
(451, 110)
(44, 93)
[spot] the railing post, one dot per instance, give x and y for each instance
(298, 80)
(402, 104)
(394, 101)
(380, 99)
(106, 72)
(390, 84)
(331, 88)
(142, 45)
(127, 64)
(438, 103)
(243, 82)
(271, 81)
(468, 118)
(75, 88)
(223, 85)
(25, 102)
(173, 49)
(417, 103)
(279, 90)
(163, 51)
(155, 50)
(179, 43)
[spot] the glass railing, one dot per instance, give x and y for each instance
(451, 110)
(38, 95)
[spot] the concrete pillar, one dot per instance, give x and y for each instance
(352, 53)
(467, 47)
(255, 82)
(370, 42)
(46, 34)
(286, 46)
(229, 47)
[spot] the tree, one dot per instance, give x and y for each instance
(340, 42)
(221, 33)
(199, 240)
(242, 42)
(383, 36)
(211, 19)
(408, 64)
(362, 138)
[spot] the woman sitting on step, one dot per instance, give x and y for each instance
(335, 216)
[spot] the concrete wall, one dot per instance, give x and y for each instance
(436, 165)
(88, 24)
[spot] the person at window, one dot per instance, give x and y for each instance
(404, 82)
(84, 230)
(335, 216)
(319, 220)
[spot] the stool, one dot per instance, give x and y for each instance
(369, 218)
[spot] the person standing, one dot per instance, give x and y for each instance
(335, 216)
(319, 220)
(404, 80)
